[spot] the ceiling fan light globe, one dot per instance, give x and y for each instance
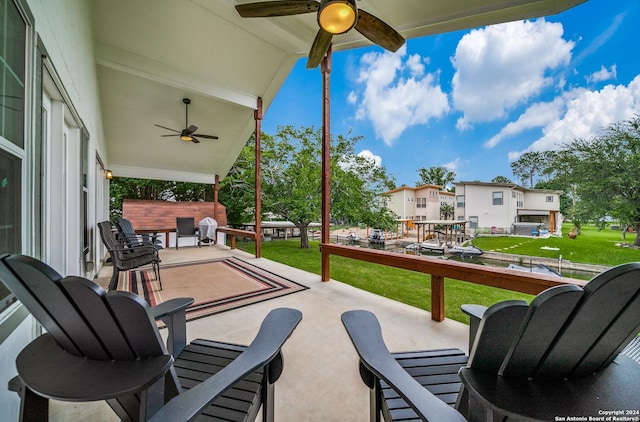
(337, 16)
(186, 138)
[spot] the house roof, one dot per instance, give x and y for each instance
(511, 186)
(150, 54)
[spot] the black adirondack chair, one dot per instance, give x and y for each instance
(126, 256)
(106, 346)
(559, 356)
(186, 227)
(126, 233)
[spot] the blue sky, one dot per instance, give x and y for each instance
(475, 100)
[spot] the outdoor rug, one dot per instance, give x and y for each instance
(216, 285)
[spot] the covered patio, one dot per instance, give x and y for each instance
(98, 83)
(320, 381)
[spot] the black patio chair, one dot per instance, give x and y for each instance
(125, 256)
(186, 227)
(128, 234)
(106, 346)
(560, 355)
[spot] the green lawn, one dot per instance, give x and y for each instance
(402, 285)
(592, 246)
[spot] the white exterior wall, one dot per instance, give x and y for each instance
(479, 203)
(538, 201)
(402, 202)
(64, 28)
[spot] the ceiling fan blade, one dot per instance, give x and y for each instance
(190, 129)
(319, 48)
(168, 128)
(194, 140)
(165, 136)
(378, 31)
(276, 8)
(207, 136)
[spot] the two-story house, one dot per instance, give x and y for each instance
(419, 203)
(507, 208)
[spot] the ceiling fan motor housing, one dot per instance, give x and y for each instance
(337, 16)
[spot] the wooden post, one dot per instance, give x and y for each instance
(437, 298)
(216, 187)
(325, 68)
(257, 115)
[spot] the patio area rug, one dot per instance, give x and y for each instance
(216, 285)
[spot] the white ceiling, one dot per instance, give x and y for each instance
(152, 53)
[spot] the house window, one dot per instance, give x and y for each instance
(421, 202)
(497, 198)
(12, 73)
(13, 53)
(549, 198)
(460, 201)
(473, 222)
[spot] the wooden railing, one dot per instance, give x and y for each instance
(502, 278)
(233, 233)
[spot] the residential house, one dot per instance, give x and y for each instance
(84, 85)
(419, 203)
(506, 208)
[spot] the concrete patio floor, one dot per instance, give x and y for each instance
(320, 381)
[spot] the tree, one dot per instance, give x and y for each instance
(291, 182)
(605, 171)
(532, 164)
(237, 190)
(435, 176)
(446, 211)
(501, 179)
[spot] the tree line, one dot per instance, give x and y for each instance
(599, 178)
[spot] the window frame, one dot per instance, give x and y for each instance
(495, 200)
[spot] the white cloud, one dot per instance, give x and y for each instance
(501, 66)
(352, 98)
(454, 165)
(603, 74)
(585, 113)
(537, 115)
(376, 159)
(397, 93)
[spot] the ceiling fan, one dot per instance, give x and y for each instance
(189, 132)
(334, 17)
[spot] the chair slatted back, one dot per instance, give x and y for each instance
(108, 238)
(84, 319)
(604, 323)
(565, 332)
(129, 235)
(186, 226)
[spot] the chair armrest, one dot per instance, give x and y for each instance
(475, 313)
(274, 331)
(54, 373)
(173, 314)
(366, 335)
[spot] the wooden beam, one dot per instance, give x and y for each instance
(326, 158)
(257, 114)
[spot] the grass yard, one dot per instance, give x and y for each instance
(591, 246)
(402, 285)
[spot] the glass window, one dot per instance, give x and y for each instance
(421, 202)
(13, 40)
(460, 201)
(473, 222)
(497, 198)
(10, 218)
(549, 198)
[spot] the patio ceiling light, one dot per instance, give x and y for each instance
(186, 137)
(108, 174)
(337, 16)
